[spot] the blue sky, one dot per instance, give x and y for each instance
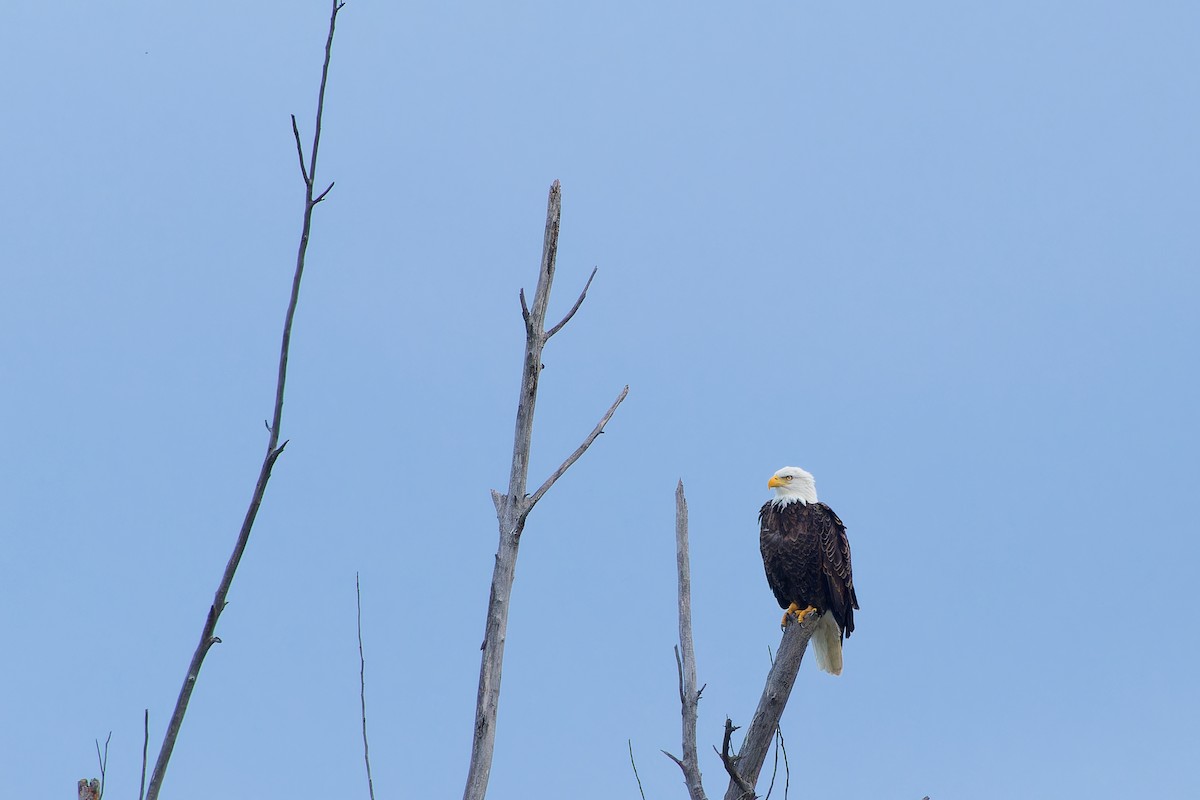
(943, 256)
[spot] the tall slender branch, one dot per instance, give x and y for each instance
(362, 688)
(274, 448)
(145, 750)
(689, 695)
(513, 508)
(753, 752)
(633, 763)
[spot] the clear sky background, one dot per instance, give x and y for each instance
(944, 256)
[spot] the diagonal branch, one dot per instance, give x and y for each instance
(633, 763)
(321, 196)
(575, 307)
(299, 150)
(778, 688)
(579, 451)
(274, 450)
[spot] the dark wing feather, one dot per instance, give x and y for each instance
(835, 567)
(775, 553)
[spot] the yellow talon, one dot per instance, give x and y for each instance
(795, 611)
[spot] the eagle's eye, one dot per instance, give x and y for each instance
(788, 478)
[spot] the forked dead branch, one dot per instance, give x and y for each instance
(743, 767)
(274, 449)
(513, 507)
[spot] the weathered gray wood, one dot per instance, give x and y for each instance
(208, 632)
(513, 508)
(689, 696)
(780, 679)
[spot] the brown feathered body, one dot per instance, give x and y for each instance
(807, 559)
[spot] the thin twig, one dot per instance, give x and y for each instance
(362, 688)
(575, 307)
(299, 151)
(145, 750)
(787, 770)
(641, 791)
(774, 770)
(103, 763)
(274, 449)
(579, 451)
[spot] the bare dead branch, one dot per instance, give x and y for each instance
(513, 508)
(689, 697)
(787, 769)
(574, 308)
(299, 150)
(633, 763)
(579, 451)
(274, 449)
(103, 759)
(321, 196)
(778, 688)
(746, 790)
(145, 750)
(362, 688)
(774, 770)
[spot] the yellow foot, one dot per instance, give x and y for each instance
(795, 611)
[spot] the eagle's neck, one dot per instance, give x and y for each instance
(784, 502)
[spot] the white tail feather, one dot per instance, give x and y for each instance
(827, 645)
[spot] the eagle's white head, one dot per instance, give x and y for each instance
(793, 485)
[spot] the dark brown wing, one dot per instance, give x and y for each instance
(776, 555)
(791, 551)
(835, 566)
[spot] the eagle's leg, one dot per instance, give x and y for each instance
(795, 611)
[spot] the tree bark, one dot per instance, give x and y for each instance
(689, 695)
(512, 508)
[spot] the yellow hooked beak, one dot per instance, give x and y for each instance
(775, 481)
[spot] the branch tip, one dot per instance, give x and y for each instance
(574, 308)
(579, 451)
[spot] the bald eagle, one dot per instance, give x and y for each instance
(807, 558)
